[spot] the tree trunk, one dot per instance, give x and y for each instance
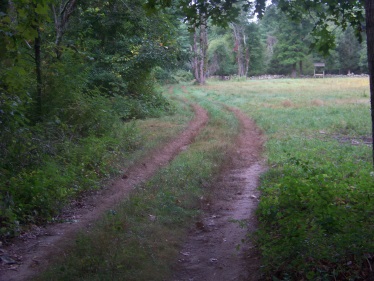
(199, 49)
(61, 17)
(240, 60)
(12, 12)
(38, 69)
(247, 59)
(369, 10)
(293, 74)
(203, 48)
(195, 61)
(301, 67)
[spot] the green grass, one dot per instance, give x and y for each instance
(140, 239)
(316, 210)
(154, 132)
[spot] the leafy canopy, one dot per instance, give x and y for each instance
(342, 13)
(221, 12)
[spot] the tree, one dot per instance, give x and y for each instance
(61, 14)
(241, 48)
(199, 50)
(220, 12)
(247, 45)
(20, 27)
(256, 49)
(349, 51)
(221, 61)
(71, 71)
(292, 42)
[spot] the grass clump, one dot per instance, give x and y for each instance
(140, 238)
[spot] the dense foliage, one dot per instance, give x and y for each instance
(70, 74)
(275, 44)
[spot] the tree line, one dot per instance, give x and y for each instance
(276, 45)
(71, 72)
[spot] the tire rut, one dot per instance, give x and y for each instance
(36, 249)
(214, 250)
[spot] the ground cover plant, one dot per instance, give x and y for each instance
(316, 209)
(140, 238)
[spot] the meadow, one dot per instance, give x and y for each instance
(316, 209)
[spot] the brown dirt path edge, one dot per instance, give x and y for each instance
(211, 250)
(34, 251)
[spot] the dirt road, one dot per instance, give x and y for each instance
(31, 251)
(214, 250)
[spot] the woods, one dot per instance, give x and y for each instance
(71, 74)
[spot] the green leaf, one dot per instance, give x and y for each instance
(41, 9)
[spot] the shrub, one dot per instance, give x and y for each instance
(183, 76)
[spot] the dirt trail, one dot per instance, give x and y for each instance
(211, 250)
(33, 250)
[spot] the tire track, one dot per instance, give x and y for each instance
(211, 252)
(53, 239)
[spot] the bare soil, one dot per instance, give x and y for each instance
(30, 253)
(215, 248)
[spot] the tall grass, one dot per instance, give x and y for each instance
(316, 209)
(140, 238)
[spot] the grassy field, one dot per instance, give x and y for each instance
(316, 210)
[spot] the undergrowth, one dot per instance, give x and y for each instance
(78, 146)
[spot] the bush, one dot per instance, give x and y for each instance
(163, 76)
(183, 76)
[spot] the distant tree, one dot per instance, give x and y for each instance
(62, 11)
(292, 45)
(349, 51)
(241, 47)
(256, 49)
(363, 62)
(221, 56)
(268, 26)
(199, 51)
